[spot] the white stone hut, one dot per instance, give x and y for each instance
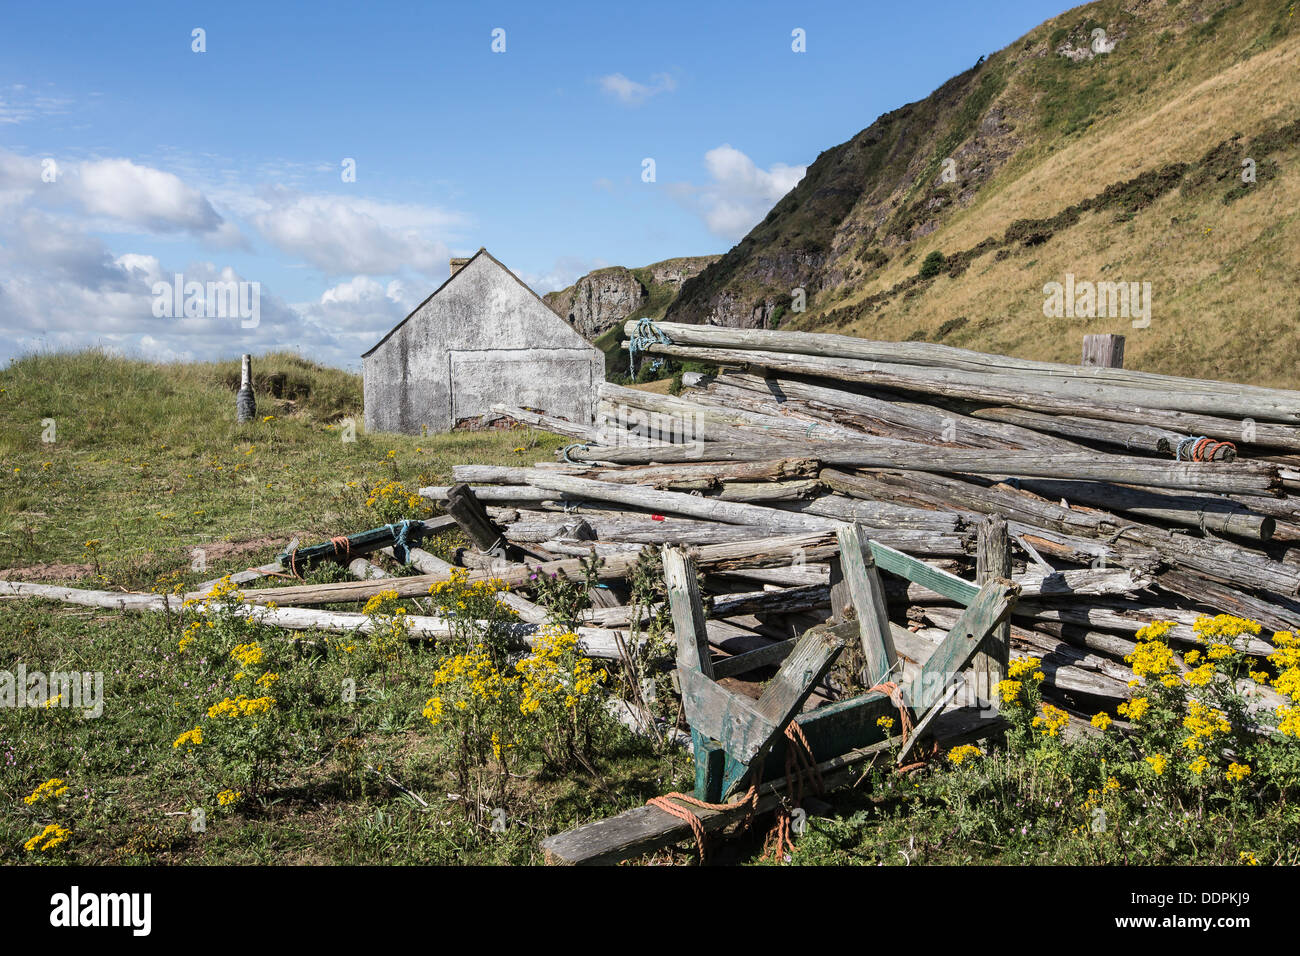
(483, 337)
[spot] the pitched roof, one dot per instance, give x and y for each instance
(481, 252)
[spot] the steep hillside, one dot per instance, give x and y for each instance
(1106, 157)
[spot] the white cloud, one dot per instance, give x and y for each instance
(631, 93)
(19, 104)
(741, 192)
(341, 236)
(142, 197)
(62, 286)
(565, 271)
(360, 312)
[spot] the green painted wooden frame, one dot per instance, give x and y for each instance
(846, 725)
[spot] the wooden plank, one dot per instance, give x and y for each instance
(1103, 351)
(710, 761)
(1080, 387)
(719, 715)
(1238, 477)
(719, 558)
(676, 502)
(844, 725)
(691, 632)
(993, 562)
(786, 694)
(868, 597)
(990, 608)
(463, 505)
(747, 730)
(644, 829)
(361, 543)
(366, 570)
(917, 571)
(753, 660)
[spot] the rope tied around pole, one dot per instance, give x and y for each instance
(644, 335)
(568, 448)
(667, 805)
(1201, 448)
(401, 543)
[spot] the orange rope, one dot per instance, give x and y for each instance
(341, 544)
(1213, 447)
(293, 564)
(666, 804)
(896, 695)
(799, 764)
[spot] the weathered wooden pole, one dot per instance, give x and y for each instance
(245, 402)
(1103, 351)
(993, 561)
(472, 517)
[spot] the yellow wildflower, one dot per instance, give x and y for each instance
(48, 839)
(191, 738)
(1134, 709)
(1051, 721)
(54, 787)
(959, 755)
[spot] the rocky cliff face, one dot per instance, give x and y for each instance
(604, 298)
(599, 299)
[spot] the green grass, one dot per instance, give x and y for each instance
(147, 460)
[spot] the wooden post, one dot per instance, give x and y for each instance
(472, 517)
(245, 402)
(867, 595)
(689, 627)
(1104, 351)
(993, 561)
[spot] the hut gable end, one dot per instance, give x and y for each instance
(483, 337)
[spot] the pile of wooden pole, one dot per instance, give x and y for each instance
(1113, 498)
(1128, 497)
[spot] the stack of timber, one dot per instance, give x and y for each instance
(1128, 497)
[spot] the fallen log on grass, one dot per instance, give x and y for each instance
(593, 641)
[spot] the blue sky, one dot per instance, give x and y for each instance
(228, 162)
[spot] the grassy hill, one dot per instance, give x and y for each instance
(148, 460)
(1124, 165)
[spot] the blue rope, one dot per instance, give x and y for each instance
(401, 545)
(568, 448)
(644, 335)
(1188, 442)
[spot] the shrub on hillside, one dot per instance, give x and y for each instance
(932, 265)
